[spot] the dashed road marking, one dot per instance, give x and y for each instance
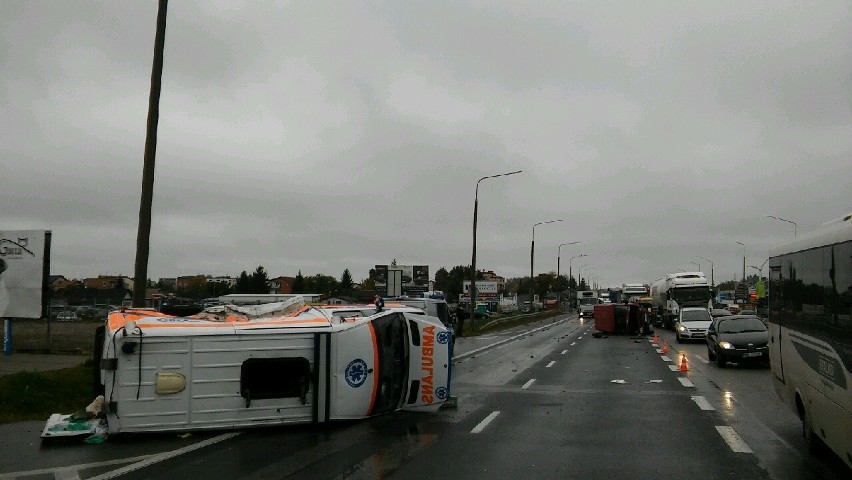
(564, 352)
(552, 362)
(674, 368)
(484, 423)
(665, 358)
(573, 343)
(527, 385)
(702, 403)
(579, 338)
(703, 360)
(733, 439)
(685, 382)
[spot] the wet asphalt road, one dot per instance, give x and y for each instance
(541, 406)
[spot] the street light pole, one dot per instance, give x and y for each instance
(473, 256)
(558, 262)
(571, 274)
(760, 269)
(712, 280)
(785, 220)
(697, 265)
(744, 259)
(580, 274)
(532, 256)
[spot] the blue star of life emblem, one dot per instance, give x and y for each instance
(443, 337)
(356, 373)
(441, 393)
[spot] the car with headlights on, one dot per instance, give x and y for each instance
(692, 323)
(737, 339)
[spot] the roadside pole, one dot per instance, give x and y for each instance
(7, 336)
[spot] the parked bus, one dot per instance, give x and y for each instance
(810, 327)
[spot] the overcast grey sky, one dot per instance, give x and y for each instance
(319, 136)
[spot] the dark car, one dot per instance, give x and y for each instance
(737, 339)
(720, 312)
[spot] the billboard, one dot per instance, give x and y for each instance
(483, 289)
(23, 257)
(413, 279)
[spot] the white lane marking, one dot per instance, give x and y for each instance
(733, 439)
(527, 385)
(66, 475)
(702, 403)
(665, 358)
(579, 338)
(660, 350)
(164, 456)
(685, 382)
(74, 468)
(484, 423)
(552, 362)
(563, 352)
(674, 368)
(573, 343)
(703, 360)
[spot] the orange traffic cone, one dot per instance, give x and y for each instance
(683, 367)
(665, 347)
(656, 340)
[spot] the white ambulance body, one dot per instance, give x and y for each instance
(235, 367)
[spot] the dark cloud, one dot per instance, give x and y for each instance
(319, 136)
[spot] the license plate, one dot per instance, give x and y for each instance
(751, 354)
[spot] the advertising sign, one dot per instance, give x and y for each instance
(483, 289)
(414, 279)
(22, 260)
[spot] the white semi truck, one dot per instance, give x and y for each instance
(675, 291)
(586, 301)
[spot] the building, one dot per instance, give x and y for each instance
(490, 276)
(281, 284)
(108, 282)
(191, 281)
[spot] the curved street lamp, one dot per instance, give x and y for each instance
(532, 256)
(697, 265)
(570, 274)
(785, 220)
(558, 261)
(744, 259)
(559, 255)
(579, 273)
(460, 333)
(712, 280)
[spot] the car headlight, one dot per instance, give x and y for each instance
(681, 328)
(726, 345)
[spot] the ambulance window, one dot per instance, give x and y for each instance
(275, 378)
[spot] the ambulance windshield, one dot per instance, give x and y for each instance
(392, 369)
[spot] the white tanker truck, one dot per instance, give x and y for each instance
(675, 291)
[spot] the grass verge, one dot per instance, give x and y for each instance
(37, 395)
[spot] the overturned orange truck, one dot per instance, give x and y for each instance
(622, 318)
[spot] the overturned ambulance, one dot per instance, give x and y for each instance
(281, 363)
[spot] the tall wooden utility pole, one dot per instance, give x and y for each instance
(140, 278)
